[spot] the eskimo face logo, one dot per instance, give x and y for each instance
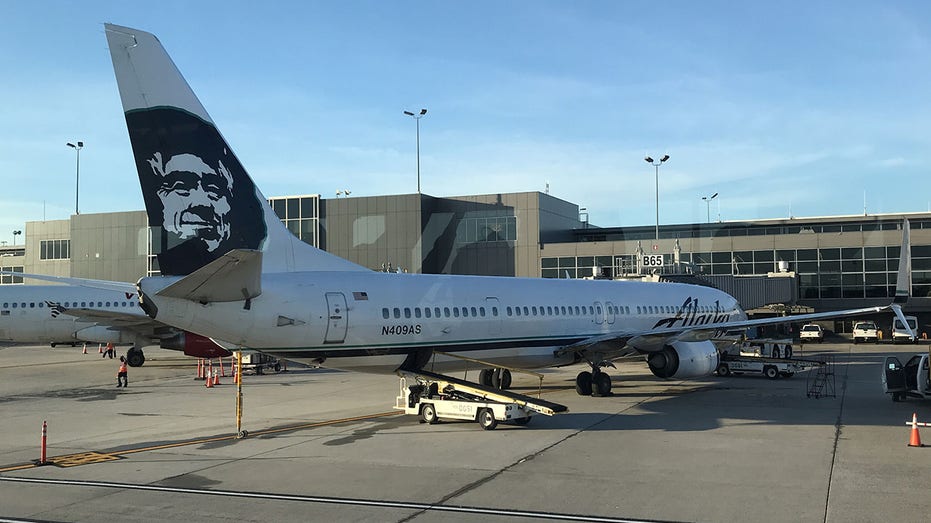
(195, 198)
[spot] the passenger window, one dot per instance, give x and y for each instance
(41, 305)
(481, 311)
(494, 311)
(426, 312)
(516, 310)
(446, 311)
(14, 305)
(83, 304)
(407, 312)
(526, 311)
(32, 305)
(436, 312)
(598, 310)
(416, 312)
(474, 311)
(397, 313)
(455, 312)
(508, 309)
(384, 313)
(533, 310)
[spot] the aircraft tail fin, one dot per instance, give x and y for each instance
(903, 281)
(201, 202)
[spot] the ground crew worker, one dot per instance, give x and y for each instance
(109, 352)
(122, 379)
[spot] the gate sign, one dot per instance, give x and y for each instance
(652, 260)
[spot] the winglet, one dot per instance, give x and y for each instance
(903, 281)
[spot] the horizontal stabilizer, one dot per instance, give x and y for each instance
(106, 285)
(237, 275)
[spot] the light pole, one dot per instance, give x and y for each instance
(650, 161)
(417, 118)
(77, 173)
(15, 234)
(707, 200)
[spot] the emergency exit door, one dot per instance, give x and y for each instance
(337, 318)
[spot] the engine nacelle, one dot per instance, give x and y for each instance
(98, 334)
(194, 345)
(684, 360)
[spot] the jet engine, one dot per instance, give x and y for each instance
(194, 345)
(681, 359)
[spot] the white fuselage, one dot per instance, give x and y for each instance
(28, 314)
(372, 321)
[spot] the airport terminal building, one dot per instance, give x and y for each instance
(822, 263)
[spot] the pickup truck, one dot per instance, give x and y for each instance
(811, 333)
(865, 331)
(911, 379)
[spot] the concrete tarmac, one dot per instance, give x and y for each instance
(326, 445)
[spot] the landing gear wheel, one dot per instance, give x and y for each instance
(486, 418)
(135, 357)
(484, 377)
(724, 370)
(771, 372)
(583, 383)
(428, 413)
(505, 379)
(601, 384)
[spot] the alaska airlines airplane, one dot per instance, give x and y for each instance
(72, 314)
(233, 272)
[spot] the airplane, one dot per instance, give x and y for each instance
(72, 314)
(232, 272)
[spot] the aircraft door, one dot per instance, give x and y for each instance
(337, 318)
(609, 312)
(493, 313)
(893, 375)
(599, 313)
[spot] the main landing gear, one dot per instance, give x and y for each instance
(497, 378)
(595, 383)
(135, 357)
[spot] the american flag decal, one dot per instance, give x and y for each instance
(360, 296)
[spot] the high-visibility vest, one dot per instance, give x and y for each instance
(123, 367)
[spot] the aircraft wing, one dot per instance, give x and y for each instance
(619, 344)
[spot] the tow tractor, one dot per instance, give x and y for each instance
(435, 396)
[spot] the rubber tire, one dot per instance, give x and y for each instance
(775, 353)
(486, 418)
(723, 370)
(601, 385)
(484, 377)
(583, 383)
(277, 367)
(135, 357)
(428, 414)
(505, 379)
(771, 372)
(788, 351)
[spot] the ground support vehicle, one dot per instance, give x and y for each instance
(811, 333)
(435, 396)
(258, 363)
(901, 334)
(772, 368)
(865, 331)
(911, 379)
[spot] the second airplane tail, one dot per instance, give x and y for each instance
(201, 202)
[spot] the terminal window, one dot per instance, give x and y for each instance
(54, 249)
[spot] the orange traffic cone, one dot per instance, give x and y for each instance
(100, 348)
(84, 350)
(216, 377)
(209, 382)
(222, 368)
(914, 440)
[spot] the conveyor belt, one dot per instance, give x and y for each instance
(490, 393)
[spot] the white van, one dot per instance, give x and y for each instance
(900, 333)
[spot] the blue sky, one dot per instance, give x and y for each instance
(800, 108)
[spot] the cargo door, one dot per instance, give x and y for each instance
(338, 316)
